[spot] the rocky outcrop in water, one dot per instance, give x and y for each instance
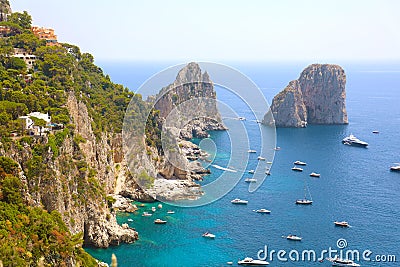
(193, 94)
(187, 108)
(317, 97)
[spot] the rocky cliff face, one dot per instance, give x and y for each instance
(75, 181)
(187, 108)
(317, 97)
(5, 10)
(193, 94)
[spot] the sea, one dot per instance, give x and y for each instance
(356, 184)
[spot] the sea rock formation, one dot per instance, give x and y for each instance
(317, 97)
(193, 94)
(166, 167)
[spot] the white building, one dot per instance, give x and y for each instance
(30, 125)
(27, 58)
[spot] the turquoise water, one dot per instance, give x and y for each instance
(355, 185)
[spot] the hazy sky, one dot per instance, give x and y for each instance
(264, 30)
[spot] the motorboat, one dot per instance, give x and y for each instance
(313, 174)
(250, 180)
(354, 141)
(294, 238)
(239, 201)
(395, 168)
(159, 206)
(208, 235)
(251, 171)
(241, 118)
(264, 211)
(251, 151)
(277, 148)
(342, 262)
(130, 220)
(297, 169)
(298, 162)
(146, 214)
(342, 223)
(375, 132)
(170, 212)
(267, 172)
(159, 221)
(252, 262)
(260, 158)
(153, 209)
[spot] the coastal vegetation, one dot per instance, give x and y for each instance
(30, 234)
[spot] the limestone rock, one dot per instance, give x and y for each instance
(193, 95)
(317, 97)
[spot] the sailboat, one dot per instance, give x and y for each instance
(305, 201)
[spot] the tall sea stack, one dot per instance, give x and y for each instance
(317, 97)
(193, 94)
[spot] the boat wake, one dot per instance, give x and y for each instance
(223, 168)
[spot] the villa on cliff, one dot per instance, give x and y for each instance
(46, 34)
(28, 123)
(25, 56)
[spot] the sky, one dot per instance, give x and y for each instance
(222, 30)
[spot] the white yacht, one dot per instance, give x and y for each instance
(251, 151)
(260, 158)
(265, 211)
(294, 238)
(298, 162)
(170, 212)
(159, 221)
(251, 262)
(342, 224)
(250, 180)
(146, 214)
(395, 168)
(251, 171)
(208, 235)
(297, 169)
(239, 201)
(342, 262)
(351, 140)
(314, 174)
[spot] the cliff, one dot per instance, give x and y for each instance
(317, 97)
(193, 95)
(162, 160)
(75, 181)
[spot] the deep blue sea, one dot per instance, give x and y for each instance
(355, 184)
